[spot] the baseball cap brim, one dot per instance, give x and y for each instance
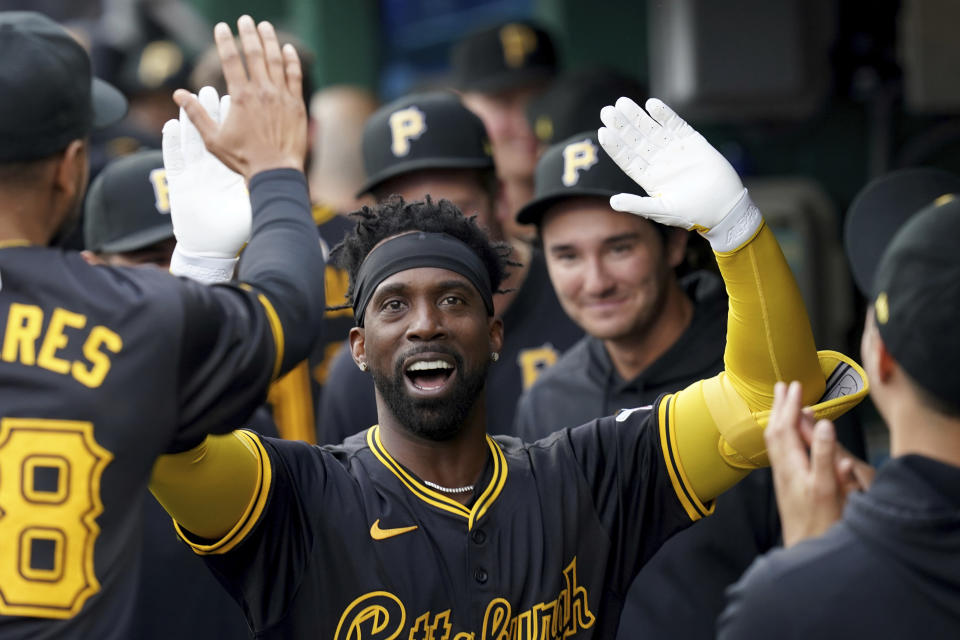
(533, 211)
(423, 164)
(882, 208)
(109, 105)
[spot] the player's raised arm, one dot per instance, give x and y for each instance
(712, 432)
(259, 134)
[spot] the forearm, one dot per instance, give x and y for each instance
(768, 331)
(284, 262)
(209, 489)
(719, 422)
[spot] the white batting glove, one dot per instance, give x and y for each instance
(690, 185)
(209, 203)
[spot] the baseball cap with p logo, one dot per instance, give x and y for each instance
(128, 205)
(419, 132)
(576, 167)
(503, 57)
(49, 95)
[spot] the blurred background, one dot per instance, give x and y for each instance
(808, 99)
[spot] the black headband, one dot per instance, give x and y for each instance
(415, 250)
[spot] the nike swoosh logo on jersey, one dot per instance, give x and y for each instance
(382, 534)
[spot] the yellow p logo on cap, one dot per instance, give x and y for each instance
(518, 41)
(577, 157)
(405, 125)
(161, 191)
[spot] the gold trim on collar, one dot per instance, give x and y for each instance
(15, 242)
(434, 498)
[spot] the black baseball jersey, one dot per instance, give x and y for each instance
(102, 370)
(350, 545)
(336, 322)
(536, 333)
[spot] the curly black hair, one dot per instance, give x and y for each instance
(393, 216)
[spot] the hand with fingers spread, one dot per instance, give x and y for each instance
(266, 127)
(690, 185)
(209, 203)
(812, 487)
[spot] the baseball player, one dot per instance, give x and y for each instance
(498, 70)
(430, 144)
(127, 223)
(426, 527)
(102, 368)
(884, 563)
(648, 333)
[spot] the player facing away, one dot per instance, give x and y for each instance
(102, 369)
(424, 526)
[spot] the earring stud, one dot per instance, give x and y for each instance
(494, 356)
(363, 366)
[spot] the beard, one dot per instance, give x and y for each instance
(436, 419)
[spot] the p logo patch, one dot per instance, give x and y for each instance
(405, 125)
(518, 41)
(161, 192)
(577, 157)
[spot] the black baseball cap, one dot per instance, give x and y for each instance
(572, 103)
(883, 206)
(503, 57)
(49, 96)
(422, 131)
(127, 205)
(917, 296)
(576, 167)
(155, 65)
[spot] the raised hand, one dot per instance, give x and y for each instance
(266, 127)
(209, 204)
(690, 185)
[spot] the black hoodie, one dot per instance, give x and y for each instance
(679, 593)
(889, 569)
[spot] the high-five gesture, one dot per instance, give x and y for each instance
(812, 485)
(266, 127)
(209, 204)
(690, 185)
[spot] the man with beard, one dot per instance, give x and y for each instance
(102, 369)
(424, 526)
(430, 144)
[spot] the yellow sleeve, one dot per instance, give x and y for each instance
(216, 490)
(713, 429)
(291, 398)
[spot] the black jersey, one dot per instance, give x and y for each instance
(102, 370)
(536, 333)
(352, 546)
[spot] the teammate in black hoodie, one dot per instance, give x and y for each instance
(890, 568)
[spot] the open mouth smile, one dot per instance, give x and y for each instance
(429, 374)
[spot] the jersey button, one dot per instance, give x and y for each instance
(479, 537)
(480, 576)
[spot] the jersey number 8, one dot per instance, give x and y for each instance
(49, 500)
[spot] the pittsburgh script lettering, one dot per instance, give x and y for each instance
(380, 615)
